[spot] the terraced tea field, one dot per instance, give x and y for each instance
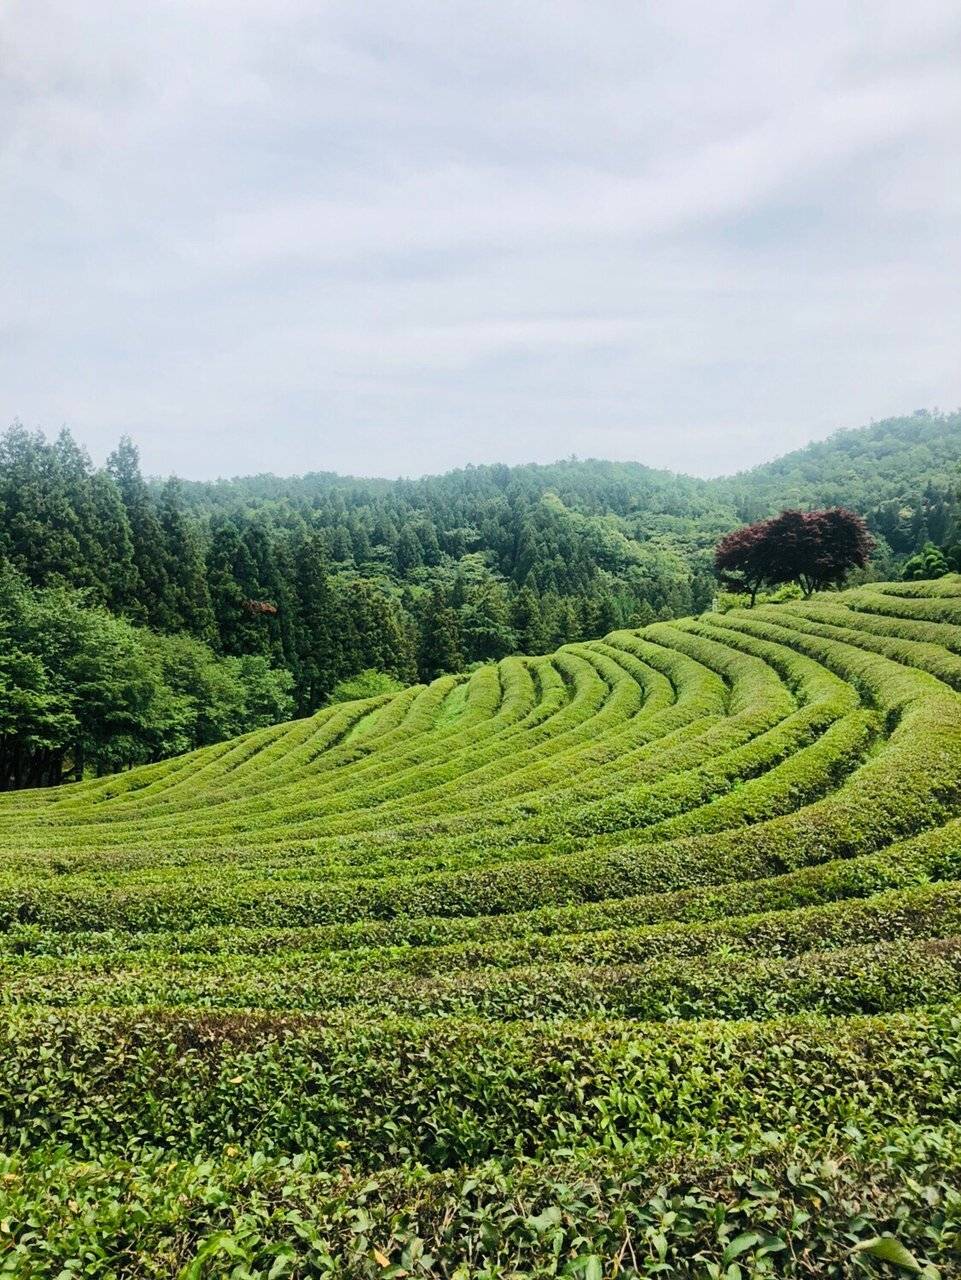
(643, 958)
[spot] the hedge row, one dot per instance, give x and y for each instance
(411, 752)
(449, 1092)
(643, 958)
(880, 978)
(30, 925)
(827, 1209)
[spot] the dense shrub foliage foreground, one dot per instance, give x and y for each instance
(639, 959)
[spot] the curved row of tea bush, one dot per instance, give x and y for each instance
(642, 958)
(765, 1207)
(452, 1091)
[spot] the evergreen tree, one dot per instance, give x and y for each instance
(598, 616)
(149, 552)
(484, 621)
(410, 553)
(122, 589)
(561, 621)
(361, 543)
(427, 537)
(71, 480)
(185, 569)
(643, 615)
(231, 581)
(318, 661)
(380, 639)
(440, 641)
(527, 621)
(267, 599)
(341, 546)
(41, 533)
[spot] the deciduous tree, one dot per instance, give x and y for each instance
(815, 549)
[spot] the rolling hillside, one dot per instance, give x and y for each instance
(642, 958)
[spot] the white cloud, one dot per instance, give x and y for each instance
(415, 234)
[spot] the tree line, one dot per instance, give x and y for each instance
(141, 618)
(280, 592)
(82, 690)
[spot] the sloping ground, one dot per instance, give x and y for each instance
(643, 958)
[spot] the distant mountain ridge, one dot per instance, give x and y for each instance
(858, 466)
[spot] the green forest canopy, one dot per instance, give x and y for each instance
(322, 577)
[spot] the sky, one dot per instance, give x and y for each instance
(401, 236)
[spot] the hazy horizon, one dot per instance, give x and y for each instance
(99, 459)
(398, 239)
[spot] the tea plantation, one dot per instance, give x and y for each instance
(640, 959)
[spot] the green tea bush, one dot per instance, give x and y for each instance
(642, 958)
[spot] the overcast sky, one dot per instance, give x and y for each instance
(393, 237)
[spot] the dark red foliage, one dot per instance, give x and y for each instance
(815, 549)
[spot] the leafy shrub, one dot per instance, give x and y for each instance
(366, 684)
(642, 956)
(725, 601)
(930, 562)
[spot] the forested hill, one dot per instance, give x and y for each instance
(902, 473)
(863, 468)
(878, 470)
(310, 581)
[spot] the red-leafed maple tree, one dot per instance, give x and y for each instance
(815, 549)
